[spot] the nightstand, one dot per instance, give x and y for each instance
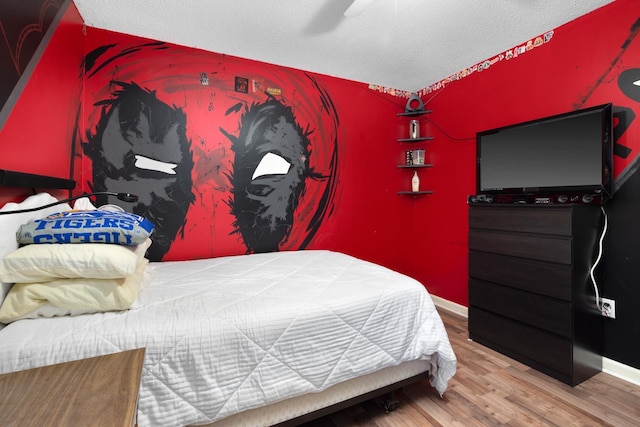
(99, 391)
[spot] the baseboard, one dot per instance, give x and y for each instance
(609, 366)
(450, 306)
(620, 370)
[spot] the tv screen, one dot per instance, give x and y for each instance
(569, 153)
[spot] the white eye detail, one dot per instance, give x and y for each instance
(636, 83)
(143, 162)
(271, 164)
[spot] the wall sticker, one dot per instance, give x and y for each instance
(484, 65)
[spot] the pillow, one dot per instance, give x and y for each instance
(91, 226)
(72, 296)
(41, 263)
(83, 204)
(9, 224)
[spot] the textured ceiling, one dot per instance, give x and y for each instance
(400, 44)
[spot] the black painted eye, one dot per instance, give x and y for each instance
(269, 173)
(629, 83)
(140, 146)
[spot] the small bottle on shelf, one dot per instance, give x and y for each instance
(415, 182)
(414, 129)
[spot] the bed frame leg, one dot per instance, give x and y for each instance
(390, 403)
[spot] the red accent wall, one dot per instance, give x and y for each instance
(577, 68)
(37, 135)
(425, 237)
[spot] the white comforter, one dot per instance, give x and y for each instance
(227, 334)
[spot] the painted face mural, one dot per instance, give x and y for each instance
(140, 147)
(236, 168)
(269, 174)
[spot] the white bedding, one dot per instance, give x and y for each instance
(227, 334)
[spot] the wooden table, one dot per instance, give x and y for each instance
(99, 391)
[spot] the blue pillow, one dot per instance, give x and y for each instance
(121, 228)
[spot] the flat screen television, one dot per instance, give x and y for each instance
(560, 158)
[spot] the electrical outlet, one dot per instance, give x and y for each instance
(608, 308)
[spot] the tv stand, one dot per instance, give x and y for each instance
(530, 295)
(565, 198)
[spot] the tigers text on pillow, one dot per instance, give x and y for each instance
(123, 228)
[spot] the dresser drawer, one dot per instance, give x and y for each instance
(536, 310)
(529, 345)
(529, 286)
(543, 278)
(555, 220)
(540, 248)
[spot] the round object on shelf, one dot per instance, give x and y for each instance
(414, 104)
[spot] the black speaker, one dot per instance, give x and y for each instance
(537, 199)
(480, 198)
(579, 198)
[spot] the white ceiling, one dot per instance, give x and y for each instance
(400, 44)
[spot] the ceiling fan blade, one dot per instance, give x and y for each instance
(357, 7)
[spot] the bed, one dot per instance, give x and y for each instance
(252, 340)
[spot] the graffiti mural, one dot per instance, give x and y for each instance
(268, 176)
(140, 147)
(219, 168)
(627, 77)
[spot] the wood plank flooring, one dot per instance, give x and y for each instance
(490, 389)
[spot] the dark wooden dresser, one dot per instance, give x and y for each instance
(530, 294)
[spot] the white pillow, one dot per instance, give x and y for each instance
(83, 204)
(41, 263)
(9, 224)
(64, 297)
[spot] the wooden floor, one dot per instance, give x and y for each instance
(490, 389)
